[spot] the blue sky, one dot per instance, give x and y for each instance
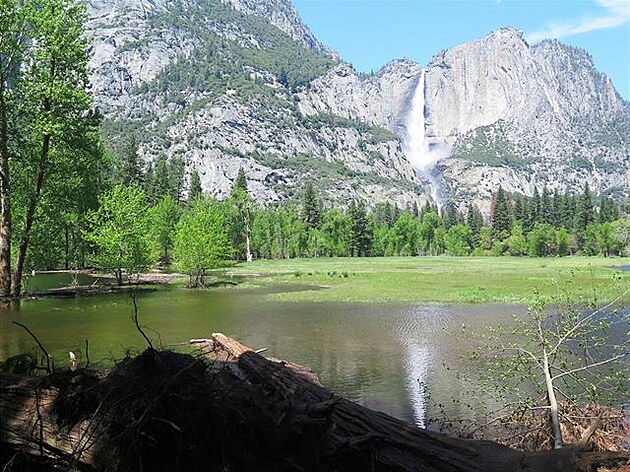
(369, 33)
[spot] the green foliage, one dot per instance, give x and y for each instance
(458, 240)
(360, 229)
(562, 349)
(516, 243)
(195, 190)
(311, 206)
(119, 233)
(162, 220)
(542, 240)
(201, 240)
(403, 237)
(501, 213)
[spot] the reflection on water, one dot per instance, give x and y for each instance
(417, 332)
(384, 356)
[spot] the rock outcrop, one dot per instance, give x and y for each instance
(225, 84)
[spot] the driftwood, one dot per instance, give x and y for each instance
(229, 408)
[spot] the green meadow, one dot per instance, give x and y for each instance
(439, 279)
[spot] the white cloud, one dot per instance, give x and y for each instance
(617, 14)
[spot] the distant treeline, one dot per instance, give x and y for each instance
(134, 229)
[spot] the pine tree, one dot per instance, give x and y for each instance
(585, 210)
(241, 181)
(311, 208)
(556, 209)
(450, 216)
(501, 214)
(360, 230)
(546, 213)
(195, 190)
(131, 165)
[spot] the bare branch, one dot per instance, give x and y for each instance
(583, 321)
(135, 320)
(41, 346)
(590, 366)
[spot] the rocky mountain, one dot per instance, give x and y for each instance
(217, 84)
(224, 84)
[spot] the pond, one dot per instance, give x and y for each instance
(384, 356)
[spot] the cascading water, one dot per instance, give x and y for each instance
(418, 148)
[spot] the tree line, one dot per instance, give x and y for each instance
(127, 234)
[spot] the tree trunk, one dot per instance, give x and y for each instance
(5, 199)
(248, 249)
(553, 404)
(16, 288)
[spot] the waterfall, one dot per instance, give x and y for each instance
(420, 152)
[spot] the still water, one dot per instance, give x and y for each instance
(385, 356)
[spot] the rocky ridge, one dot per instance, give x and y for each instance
(232, 102)
(225, 84)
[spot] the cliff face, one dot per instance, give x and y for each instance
(224, 84)
(511, 114)
(216, 84)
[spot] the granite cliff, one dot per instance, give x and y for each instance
(243, 83)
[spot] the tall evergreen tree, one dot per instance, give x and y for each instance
(311, 207)
(556, 209)
(501, 213)
(241, 181)
(195, 190)
(131, 167)
(360, 231)
(585, 210)
(546, 213)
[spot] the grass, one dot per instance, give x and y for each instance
(440, 279)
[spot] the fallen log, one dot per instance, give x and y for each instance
(228, 408)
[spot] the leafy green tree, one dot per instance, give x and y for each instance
(162, 221)
(516, 243)
(43, 104)
(429, 240)
(561, 350)
(563, 242)
(119, 232)
(606, 238)
(621, 229)
(201, 240)
(13, 46)
(404, 235)
(337, 233)
(240, 222)
(590, 240)
(458, 240)
(542, 240)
